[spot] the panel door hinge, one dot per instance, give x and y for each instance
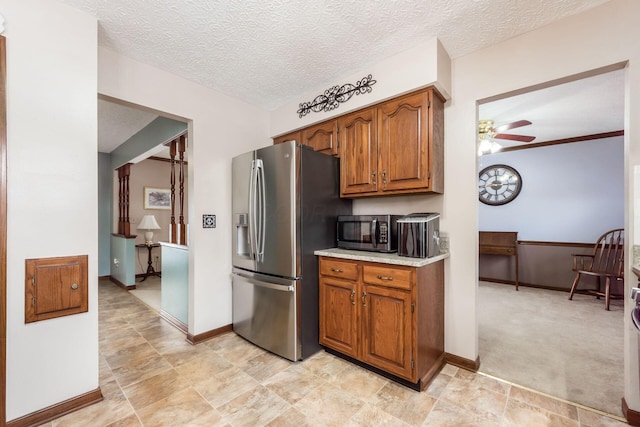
(413, 364)
(413, 307)
(428, 103)
(428, 174)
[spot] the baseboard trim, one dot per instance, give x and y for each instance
(528, 285)
(120, 284)
(59, 409)
(461, 362)
(174, 321)
(196, 339)
(633, 417)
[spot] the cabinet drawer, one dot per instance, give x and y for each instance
(497, 250)
(342, 269)
(386, 276)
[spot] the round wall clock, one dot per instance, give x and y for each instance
(498, 184)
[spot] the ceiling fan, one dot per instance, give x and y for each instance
(487, 134)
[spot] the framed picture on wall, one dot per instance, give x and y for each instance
(157, 198)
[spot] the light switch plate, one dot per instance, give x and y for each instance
(208, 221)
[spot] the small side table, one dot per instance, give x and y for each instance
(500, 243)
(150, 270)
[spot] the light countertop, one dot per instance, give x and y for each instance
(386, 258)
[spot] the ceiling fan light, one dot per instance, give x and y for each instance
(495, 147)
(485, 146)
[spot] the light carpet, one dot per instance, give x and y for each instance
(539, 339)
(149, 292)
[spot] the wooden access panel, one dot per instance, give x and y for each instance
(56, 287)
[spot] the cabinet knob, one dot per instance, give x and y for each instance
(74, 286)
(389, 278)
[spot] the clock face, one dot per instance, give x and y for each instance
(498, 184)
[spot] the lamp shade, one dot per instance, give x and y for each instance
(148, 223)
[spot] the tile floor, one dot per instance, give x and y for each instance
(150, 376)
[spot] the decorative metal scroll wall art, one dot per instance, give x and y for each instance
(332, 97)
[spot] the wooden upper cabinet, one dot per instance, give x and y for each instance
(322, 137)
(293, 136)
(394, 147)
(403, 142)
(358, 153)
(405, 151)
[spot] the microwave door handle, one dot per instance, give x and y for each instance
(375, 231)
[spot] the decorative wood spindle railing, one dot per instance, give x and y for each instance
(178, 232)
(124, 226)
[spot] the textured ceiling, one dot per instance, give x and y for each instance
(117, 123)
(269, 52)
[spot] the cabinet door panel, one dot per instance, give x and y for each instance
(404, 145)
(358, 152)
(338, 315)
(387, 330)
(322, 137)
(293, 136)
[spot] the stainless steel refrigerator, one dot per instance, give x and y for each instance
(285, 205)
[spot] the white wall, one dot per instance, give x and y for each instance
(220, 127)
(52, 201)
(599, 37)
(419, 66)
(570, 192)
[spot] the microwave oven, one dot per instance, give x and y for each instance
(377, 233)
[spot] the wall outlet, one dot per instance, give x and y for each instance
(116, 262)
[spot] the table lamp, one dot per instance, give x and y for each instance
(148, 223)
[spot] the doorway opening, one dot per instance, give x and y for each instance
(570, 190)
(143, 175)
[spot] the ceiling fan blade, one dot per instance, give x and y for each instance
(513, 125)
(520, 138)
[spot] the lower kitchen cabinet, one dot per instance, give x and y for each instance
(389, 317)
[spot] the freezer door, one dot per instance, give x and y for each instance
(278, 222)
(242, 179)
(264, 312)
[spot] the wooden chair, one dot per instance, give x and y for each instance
(606, 263)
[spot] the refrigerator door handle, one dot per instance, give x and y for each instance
(260, 239)
(260, 283)
(252, 211)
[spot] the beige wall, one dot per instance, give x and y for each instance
(157, 174)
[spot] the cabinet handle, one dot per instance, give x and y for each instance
(373, 178)
(384, 176)
(336, 270)
(389, 278)
(364, 296)
(353, 293)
